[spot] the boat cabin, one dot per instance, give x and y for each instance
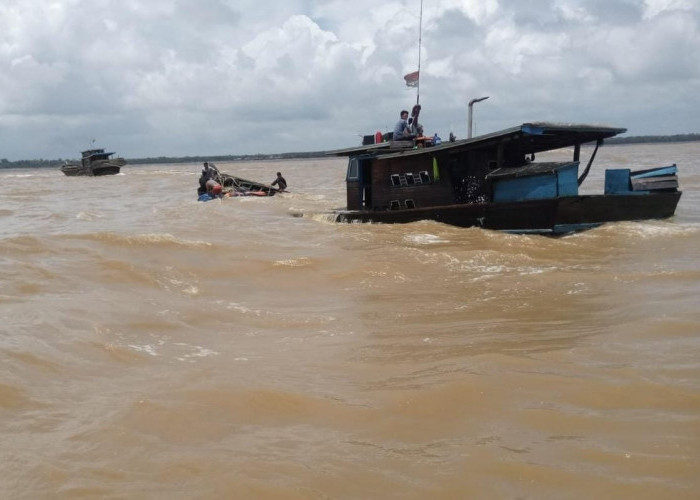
(92, 155)
(497, 167)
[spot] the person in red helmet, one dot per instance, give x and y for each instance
(214, 190)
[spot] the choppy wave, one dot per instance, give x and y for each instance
(651, 229)
(153, 239)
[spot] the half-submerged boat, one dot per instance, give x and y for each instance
(493, 181)
(94, 162)
(232, 185)
(238, 186)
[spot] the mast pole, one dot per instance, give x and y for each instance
(420, 40)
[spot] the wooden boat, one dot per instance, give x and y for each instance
(94, 162)
(236, 186)
(493, 181)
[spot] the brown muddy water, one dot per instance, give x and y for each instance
(155, 347)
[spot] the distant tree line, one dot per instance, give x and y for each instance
(225, 158)
(4, 163)
(653, 138)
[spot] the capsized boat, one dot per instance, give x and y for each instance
(493, 181)
(235, 186)
(238, 186)
(94, 162)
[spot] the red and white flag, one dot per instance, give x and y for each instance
(412, 79)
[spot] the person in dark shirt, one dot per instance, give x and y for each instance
(280, 182)
(207, 173)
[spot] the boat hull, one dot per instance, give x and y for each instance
(94, 170)
(546, 216)
(106, 170)
(245, 187)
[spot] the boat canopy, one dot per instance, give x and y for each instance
(95, 152)
(533, 137)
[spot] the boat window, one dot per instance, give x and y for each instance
(410, 179)
(353, 169)
(395, 204)
(410, 204)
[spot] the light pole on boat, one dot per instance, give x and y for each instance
(471, 106)
(420, 42)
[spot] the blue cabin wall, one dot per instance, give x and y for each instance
(617, 181)
(567, 178)
(560, 182)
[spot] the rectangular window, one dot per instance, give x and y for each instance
(353, 170)
(410, 204)
(424, 177)
(410, 180)
(395, 205)
(395, 180)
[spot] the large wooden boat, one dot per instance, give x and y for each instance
(493, 181)
(94, 162)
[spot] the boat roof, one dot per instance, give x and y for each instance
(534, 137)
(358, 150)
(95, 152)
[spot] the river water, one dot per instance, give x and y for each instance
(155, 347)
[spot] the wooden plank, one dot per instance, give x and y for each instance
(655, 172)
(654, 183)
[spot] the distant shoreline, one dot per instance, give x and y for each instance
(642, 139)
(652, 139)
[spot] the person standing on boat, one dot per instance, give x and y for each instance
(401, 129)
(415, 128)
(280, 182)
(207, 174)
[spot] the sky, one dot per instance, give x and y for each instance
(149, 78)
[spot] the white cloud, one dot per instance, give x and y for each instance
(177, 77)
(654, 7)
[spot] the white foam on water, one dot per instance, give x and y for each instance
(424, 239)
(147, 348)
(196, 351)
(88, 216)
(300, 262)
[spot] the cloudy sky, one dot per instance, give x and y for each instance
(213, 77)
